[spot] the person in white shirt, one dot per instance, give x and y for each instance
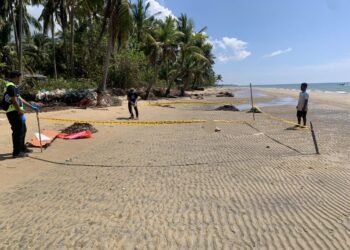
(302, 107)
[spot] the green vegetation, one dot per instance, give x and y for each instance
(111, 43)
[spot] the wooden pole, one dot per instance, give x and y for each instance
(314, 138)
(37, 118)
(251, 97)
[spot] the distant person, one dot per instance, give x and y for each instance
(13, 104)
(132, 103)
(302, 107)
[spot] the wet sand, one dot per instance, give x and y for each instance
(253, 185)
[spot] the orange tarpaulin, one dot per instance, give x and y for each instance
(50, 134)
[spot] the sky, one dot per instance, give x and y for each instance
(271, 41)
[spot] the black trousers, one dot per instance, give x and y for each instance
(130, 105)
(19, 130)
(301, 114)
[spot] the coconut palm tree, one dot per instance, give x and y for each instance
(36, 51)
(153, 51)
(168, 38)
(16, 14)
(142, 21)
(118, 22)
(191, 53)
(48, 14)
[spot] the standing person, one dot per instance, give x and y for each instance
(132, 103)
(302, 107)
(13, 104)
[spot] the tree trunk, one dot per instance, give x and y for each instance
(150, 85)
(53, 44)
(187, 80)
(21, 37)
(103, 85)
(167, 92)
(14, 29)
(72, 39)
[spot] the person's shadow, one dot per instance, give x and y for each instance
(123, 118)
(6, 156)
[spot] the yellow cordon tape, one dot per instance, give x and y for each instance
(284, 121)
(189, 102)
(164, 122)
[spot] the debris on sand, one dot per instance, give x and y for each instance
(225, 94)
(197, 96)
(228, 108)
(255, 110)
(79, 127)
(217, 129)
(166, 106)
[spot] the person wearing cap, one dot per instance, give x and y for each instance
(132, 103)
(15, 113)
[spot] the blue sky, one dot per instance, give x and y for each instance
(272, 41)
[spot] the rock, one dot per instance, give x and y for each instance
(255, 110)
(197, 96)
(171, 96)
(198, 88)
(107, 100)
(118, 92)
(217, 129)
(228, 108)
(225, 94)
(158, 92)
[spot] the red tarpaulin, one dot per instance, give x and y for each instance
(80, 135)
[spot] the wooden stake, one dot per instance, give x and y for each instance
(251, 97)
(314, 138)
(37, 118)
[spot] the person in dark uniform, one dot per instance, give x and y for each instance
(15, 114)
(132, 103)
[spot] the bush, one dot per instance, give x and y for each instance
(53, 84)
(128, 70)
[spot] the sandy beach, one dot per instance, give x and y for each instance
(252, 185)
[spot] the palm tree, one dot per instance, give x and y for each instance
(15, 14)
(219, 78)
(191, 54)
(142, 21)
(168, 38)
(36, 52)
(48, 17)
(119, 24)
(153, 50)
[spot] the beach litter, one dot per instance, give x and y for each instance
(79, 127)
(227, 108)
(254, 110)
(225, 94)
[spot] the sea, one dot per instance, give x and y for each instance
(342, 88)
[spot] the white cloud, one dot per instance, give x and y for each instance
(279, 52)
(156, 7)
(230, 49)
